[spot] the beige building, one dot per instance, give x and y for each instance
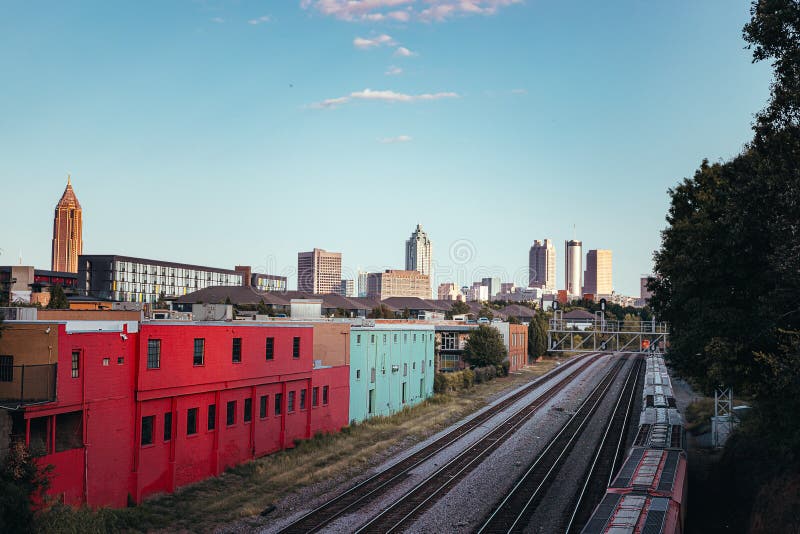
(449, 291)
(391, 283)
(542, 265)
(573, 251)
(67, 232)
(598, 275)
(319, 271)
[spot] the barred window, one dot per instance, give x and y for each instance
(296, 348)
(6, 368)
(290, 403)
(153, 353)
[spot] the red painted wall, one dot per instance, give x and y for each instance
(114, 397)
(101, 472)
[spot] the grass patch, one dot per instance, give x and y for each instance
(246, 490)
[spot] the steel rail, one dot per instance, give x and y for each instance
(408, 506)
(316, 519)
(549, 460)
(617, 425)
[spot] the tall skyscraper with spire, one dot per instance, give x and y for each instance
(67, 232)
(419, 253)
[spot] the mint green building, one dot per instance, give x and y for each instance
(391, 366)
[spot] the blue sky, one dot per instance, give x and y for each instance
(241, 132)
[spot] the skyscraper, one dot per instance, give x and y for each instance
(542, 265)
(319, 271)
(597, 277)
(419, 254)
(67, 232)
(572, 277)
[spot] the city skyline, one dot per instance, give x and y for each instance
(258, 110)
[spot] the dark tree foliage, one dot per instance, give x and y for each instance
(58, 300)
(459, 307)
(728, 271)
(262, 308)
(485, 347)
(486, 312)
(537, 336)
(382, 312)
(22, 483)
(161, 303)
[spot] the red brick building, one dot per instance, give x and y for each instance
(133, 409)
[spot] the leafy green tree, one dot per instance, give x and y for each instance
(58, 300)
(487, 312)
(537, 336)
(161, 303)
(459, 307)
(262, 308)
(484, 347)
(728, 270)
(406, 313)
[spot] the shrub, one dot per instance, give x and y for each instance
(468, 378)
(439, 383)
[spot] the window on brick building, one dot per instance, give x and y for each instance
(262, 407)
(147, 429)
(248, 410)
(290, 402)
(199, 351)
(191, 421)
(76, 364)
(236, 353)
(167, 426)
(315, 397)
(153, 353)
(6, 368)
(278, 403)
(302, 399)
(230, 418)
(212, 416)
(324, 395)
(270, 349)
(296, 348)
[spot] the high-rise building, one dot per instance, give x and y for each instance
(67, 232)
(319, 271)
(542, 265)
(597, 279)
(493, 286)
(347, 288)
(573, 259)
(393, 283)
(419, 254)
(362, 283)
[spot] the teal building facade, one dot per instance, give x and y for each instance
(391, 367)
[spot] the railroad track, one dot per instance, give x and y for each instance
(515, 509)
(424, 494)
(374, 486)
(610, 452)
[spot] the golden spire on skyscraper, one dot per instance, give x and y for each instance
(67, 231)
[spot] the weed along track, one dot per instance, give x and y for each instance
(365, 492)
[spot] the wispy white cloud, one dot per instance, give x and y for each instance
(259, 20)
(405, 10)
(402, 51)
(396, 139)
(365, 43)
(218, 20)
(393, 71)
(388, 96)
(519, 91)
